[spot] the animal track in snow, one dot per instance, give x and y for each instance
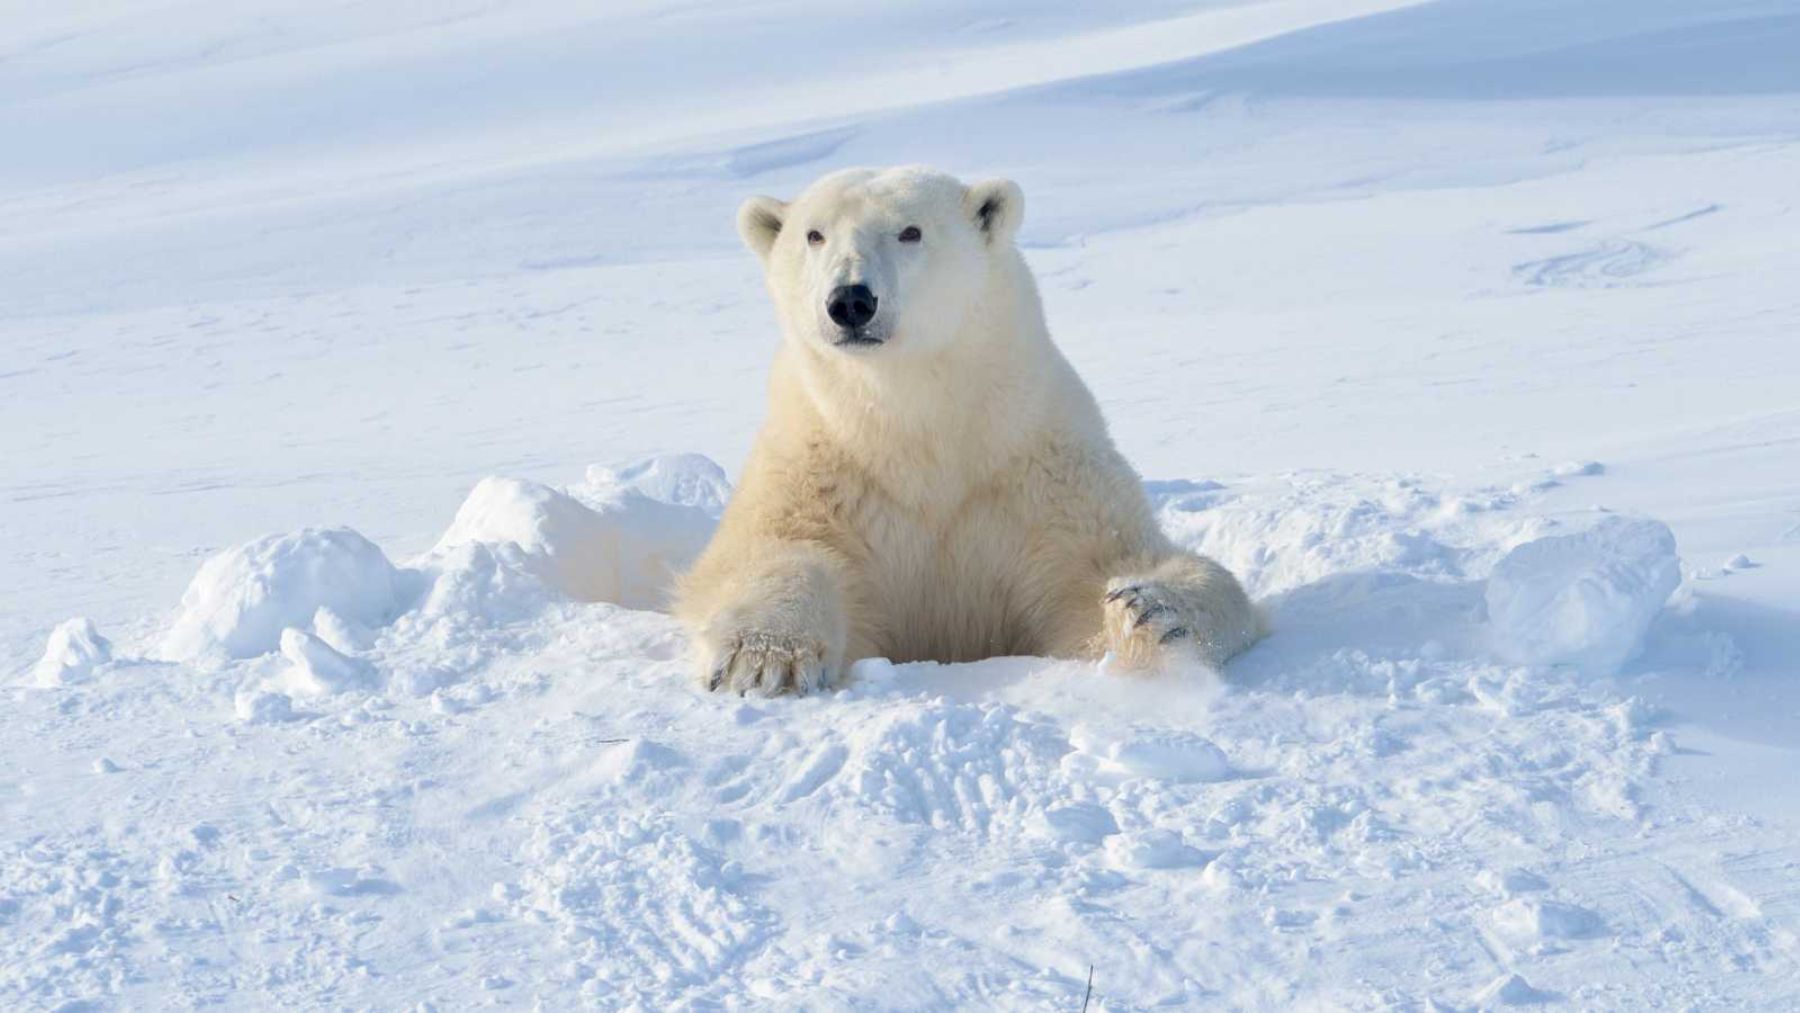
(1608, 265)
(640, 902)
(948, 765)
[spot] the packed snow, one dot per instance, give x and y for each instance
(371, 370)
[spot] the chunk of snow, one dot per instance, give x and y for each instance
(261, 707)
(624, 549)
(1532, 920)
(317, 669)
(1576, 469)
(1512, 990)
(241, 599)
(1739, 562)
(74, 650)
(346, 635)
(1584, 599)
(1510, 882)
(1153, 849)
(636, 760)
(1160, 755)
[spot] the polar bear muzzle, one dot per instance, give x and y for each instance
(851, 307)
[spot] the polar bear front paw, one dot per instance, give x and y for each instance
(1143, 621)
(766, 664)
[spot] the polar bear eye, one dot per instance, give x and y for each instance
(911, 234)
(813, 238)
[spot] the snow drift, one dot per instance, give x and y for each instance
(1584, 599)
(322, 595)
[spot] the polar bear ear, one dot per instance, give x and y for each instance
(759, 222)
(997, 206)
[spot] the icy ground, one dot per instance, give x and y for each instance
(1464, 330)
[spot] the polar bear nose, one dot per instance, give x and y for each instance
(850, 306)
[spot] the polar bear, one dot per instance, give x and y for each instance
(933, 480)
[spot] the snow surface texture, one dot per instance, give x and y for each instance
(1470, 323)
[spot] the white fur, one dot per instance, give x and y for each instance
(950, 493)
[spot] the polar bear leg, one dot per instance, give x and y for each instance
(1185, 605)
(773, 623)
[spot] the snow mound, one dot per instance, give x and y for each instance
(241, 600)
(690, 480)
(479, 583)
(1584, 599)
(623, 547)
(75, 649)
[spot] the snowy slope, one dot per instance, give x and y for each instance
(1410, 313)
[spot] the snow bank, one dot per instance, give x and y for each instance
(622, 546)
(1584, 599)
(325, 595)
(243, 598)
(75, 649)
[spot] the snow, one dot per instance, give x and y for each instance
(75, 649)
(261, 706)
(624, 549)
(1462, 330)
(1513, 990)
(1533, 921)
(689, 480)
(1584, 599)
(242, 599)
(318, 669)
(1160, 755)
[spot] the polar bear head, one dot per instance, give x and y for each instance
(885, 263)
